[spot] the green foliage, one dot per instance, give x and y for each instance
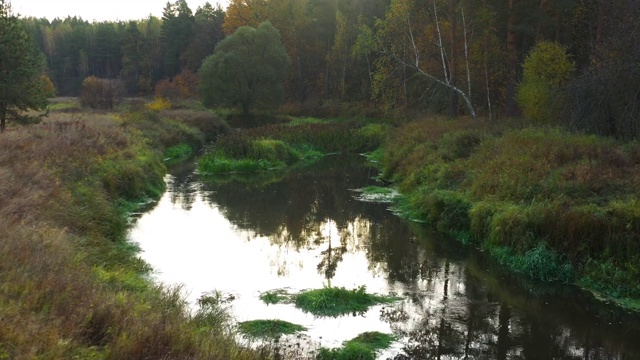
(508, 191)
(539, 263)
(180, 151)
(547, 69)
(332, 301)
(272, 329)
(275, 296)
(350, 351)
(247, 70)
(214, 164)
(274, 146)
(22, 86)
(362, 347)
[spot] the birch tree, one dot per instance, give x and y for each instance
(412, 35)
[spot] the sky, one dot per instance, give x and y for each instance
(98, 10)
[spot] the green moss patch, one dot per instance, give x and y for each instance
(332, 301)
(275, 296)
(270, 329)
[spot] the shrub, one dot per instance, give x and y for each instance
(102, 94)
(181, 87)
(159, 104)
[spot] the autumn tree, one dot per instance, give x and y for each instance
(22, 86)
(247, 70)
(412, 43)
(547, 69)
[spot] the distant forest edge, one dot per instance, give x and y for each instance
(442, 56)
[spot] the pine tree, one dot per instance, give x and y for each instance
(21, 67)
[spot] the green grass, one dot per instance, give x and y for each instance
(180, 151)
(362, 347)
(332, 301)
(212, 164)
(540, 263)
(270, 329)
(508, 190)
(275, 296)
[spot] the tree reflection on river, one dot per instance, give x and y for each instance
(457, 305)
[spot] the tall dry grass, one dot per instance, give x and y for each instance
(70, 287)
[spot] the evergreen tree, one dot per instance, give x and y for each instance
(177, 28)
(21, 67)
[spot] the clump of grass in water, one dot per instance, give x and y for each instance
(180, 151)
(332, 301)
(377, 194)
(272, 329)
(363, 347)
(275, 296)
(212, 164)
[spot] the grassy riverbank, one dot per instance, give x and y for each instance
(545, 203)
(297, 142)
(71, 286)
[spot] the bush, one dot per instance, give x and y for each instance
(102, 94)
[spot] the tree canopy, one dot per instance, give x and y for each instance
(22, 84)
(247, 70)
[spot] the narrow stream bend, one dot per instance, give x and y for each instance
(307, 230)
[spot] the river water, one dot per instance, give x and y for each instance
(307, 229)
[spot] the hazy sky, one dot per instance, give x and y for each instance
(98, 9)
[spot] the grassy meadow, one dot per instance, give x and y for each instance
(545, 203)
(71, 286)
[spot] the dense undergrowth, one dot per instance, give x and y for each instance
(545, 203)
(276, 146)
(71, 286)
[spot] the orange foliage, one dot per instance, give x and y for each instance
(182, 86)
(243, 13)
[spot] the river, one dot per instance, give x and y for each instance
(307, 229)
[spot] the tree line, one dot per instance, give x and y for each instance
(444, 56)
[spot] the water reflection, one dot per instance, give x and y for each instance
(305, 229)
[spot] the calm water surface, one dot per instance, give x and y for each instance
(307, 229)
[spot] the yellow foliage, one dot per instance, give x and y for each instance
(159, 104)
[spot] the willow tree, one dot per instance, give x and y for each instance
(247, 70)
(22, 85)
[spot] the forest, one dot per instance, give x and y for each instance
(453, 57)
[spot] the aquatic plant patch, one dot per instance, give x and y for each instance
(363, 346)
(269, 329)
(180, 151)
(377, 194)
(275, 296)
(334, 301)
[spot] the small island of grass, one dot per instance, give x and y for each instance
(363, 346)
(269, 329)
(333, 301)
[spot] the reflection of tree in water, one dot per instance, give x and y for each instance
(471, 318)
(182, 188)
(291, 211)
